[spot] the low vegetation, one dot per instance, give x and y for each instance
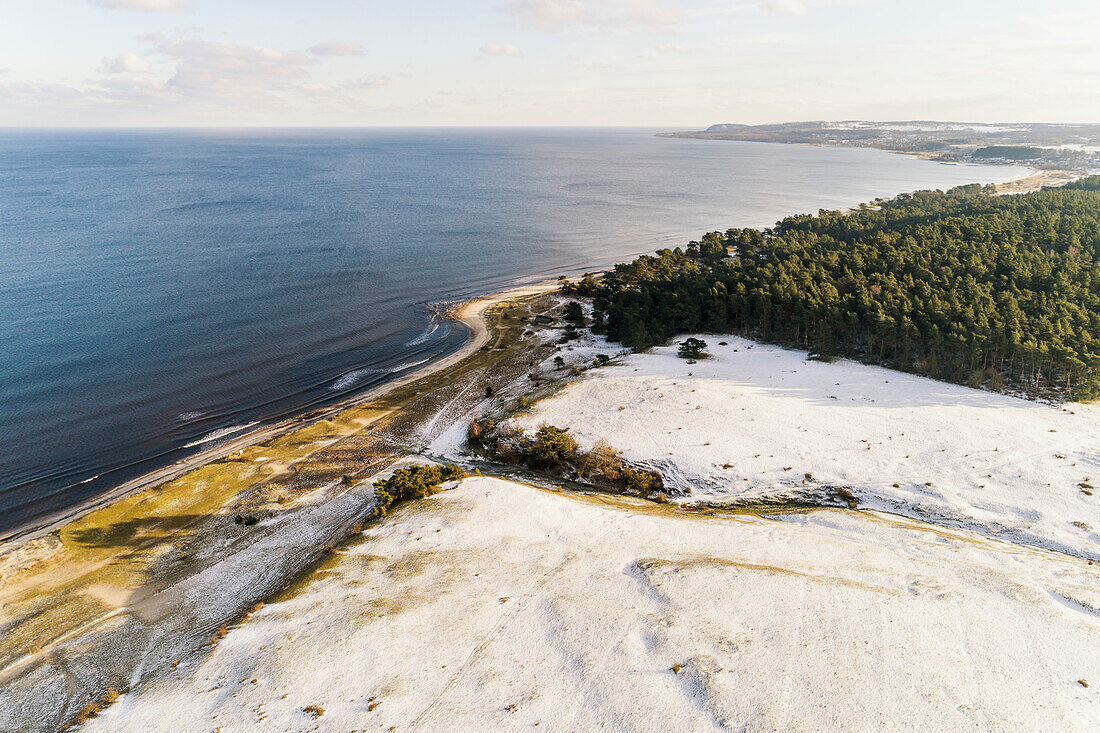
(553, 450)
(692, 348)
(415, 482)
(92, 709)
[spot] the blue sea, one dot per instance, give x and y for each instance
(163, 290)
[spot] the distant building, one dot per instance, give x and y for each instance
(543, 320)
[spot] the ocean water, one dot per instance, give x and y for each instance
(163, 290)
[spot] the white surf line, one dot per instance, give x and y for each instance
(424, 336)
(220, 433)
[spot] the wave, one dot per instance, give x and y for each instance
(190, 415)
(424, 336)
(409, 365)
(219, 433)
(346, 380)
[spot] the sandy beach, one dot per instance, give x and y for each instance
(470, 314)
(1038, 179)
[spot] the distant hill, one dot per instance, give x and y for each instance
(1051, 145)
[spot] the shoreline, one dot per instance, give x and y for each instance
(1038, 179)
(1034, 180)
(469, 313)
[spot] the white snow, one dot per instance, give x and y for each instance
(901, 443)
(496, 606)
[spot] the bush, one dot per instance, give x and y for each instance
(692, 348)
(643, 480)
(553, 447)
(414, 482)
(602, 463)
(479, 428)
(574, 313)
(554, 450)
(588, 286)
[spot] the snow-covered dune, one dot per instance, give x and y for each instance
(495, 606)
(753, 420)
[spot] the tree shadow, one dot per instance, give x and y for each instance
(134, 533)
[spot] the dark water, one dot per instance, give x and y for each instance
(158, 289)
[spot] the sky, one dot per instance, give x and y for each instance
(681, 64)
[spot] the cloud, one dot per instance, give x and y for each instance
(162, 5)
(501, 49)
(127, 63)
(342, 96)
(39, 93)
(371, 81)
(233, 72)
(337, 48)
(786, 7)
(208, 77)
(129, 89)
(600, 15)
(674, 48)
(316, 89)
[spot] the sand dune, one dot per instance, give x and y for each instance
(495, 606)
(753, 420)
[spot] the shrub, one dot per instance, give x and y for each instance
(478, 429)
(93, 708)
(692, 348)
(574, 313)
(588, 285)
(414, 482)
(554, 450)
(553, 446)
(602, 463)
(644, 481)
